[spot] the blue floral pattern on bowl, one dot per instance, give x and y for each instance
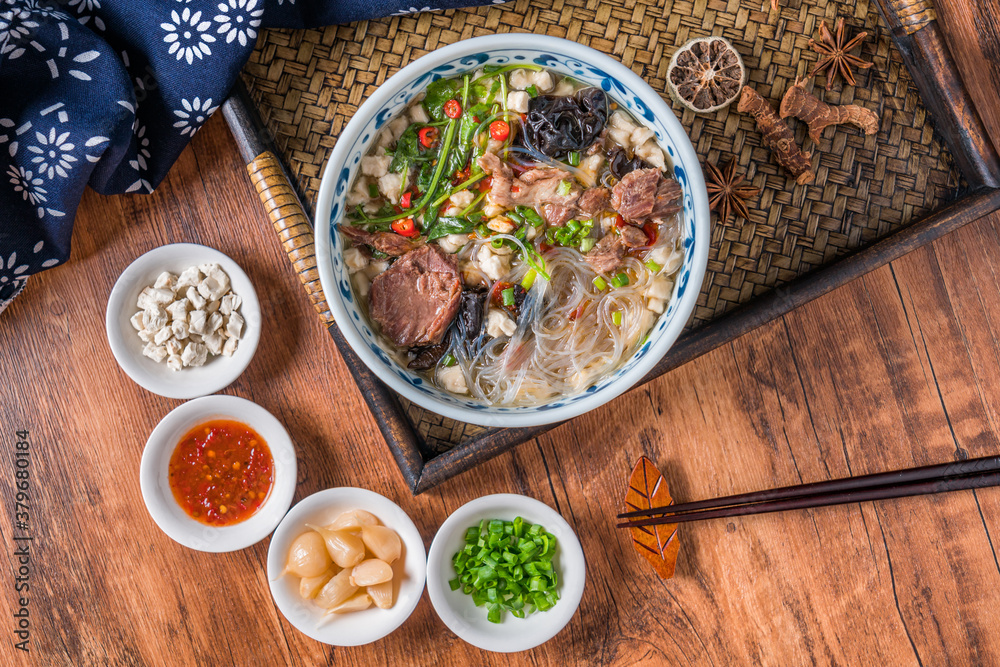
(590, 74)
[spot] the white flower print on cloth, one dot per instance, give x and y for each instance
(15, 25)
(86, 10)
(53, 154)
(139, 163)
(412, 10)
(30, 188)
(194, 114)
(239, 20)
(187, 35)
(71, 63)
(13, 273)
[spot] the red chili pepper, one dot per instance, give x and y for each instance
(461, 175)
(499, 130)
(452, 108)
(486, 184)
(444, 207)
(577, 312)
(652, 231)
(405, 227)
(404, 201)
(544, 248)
(619, 221)
(515, 189)
(428, 136)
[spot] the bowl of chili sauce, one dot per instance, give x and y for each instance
(218, 473)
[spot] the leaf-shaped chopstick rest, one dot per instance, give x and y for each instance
(657, 544)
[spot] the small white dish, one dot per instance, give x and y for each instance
(467, 620)
(219, 371)
(155, 483)
(360, 627)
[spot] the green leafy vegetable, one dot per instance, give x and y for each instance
(406, 151)
(438, 93)
(507, 565)
(445, 226)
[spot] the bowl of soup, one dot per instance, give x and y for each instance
(512, 230)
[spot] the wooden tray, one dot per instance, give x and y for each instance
(875, 198)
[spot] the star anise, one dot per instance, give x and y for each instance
(835, 54)
(725, 193)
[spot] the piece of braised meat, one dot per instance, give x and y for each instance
(390, 243)
(415, 300)
(606, 255)
(556, 215)
(633, 237)
(534, 187)
(594, 201)
(644, 194)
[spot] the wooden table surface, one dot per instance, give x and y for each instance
(898, 368)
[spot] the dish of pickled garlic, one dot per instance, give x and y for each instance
(346, 565)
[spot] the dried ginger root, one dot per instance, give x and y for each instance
(777, 136)
(820, 115)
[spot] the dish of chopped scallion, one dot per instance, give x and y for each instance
(507, 565)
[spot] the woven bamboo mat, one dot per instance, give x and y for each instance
(307, 84)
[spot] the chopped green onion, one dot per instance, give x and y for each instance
(653, 266)
(521, 233)
(529, 279)
(449, 360)
(515, 216)
(562, 236)
(573, 158)
(530, 215)
(616, 317)
(586, 244)
(372, 190)
(574, 226)
(550, 234)
(621, 280)
(508, 296)
(565, 187)
(483, 231)
(502, 566)
(532, 90)
(600, 283)
(498, 243)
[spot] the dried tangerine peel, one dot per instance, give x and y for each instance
(706, 74)
(658, 544)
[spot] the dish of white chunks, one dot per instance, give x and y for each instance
(184, 319)
(514, 235)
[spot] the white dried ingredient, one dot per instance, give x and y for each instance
(197, 300)
(165, 281)
(234, 327)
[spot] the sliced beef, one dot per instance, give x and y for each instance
(533, 188)
(644, 194)
(633, 237)
(556, 215)
(668, 199)
(606, 255)
(633, 197)
(415, 300)
(594, 201)
(390, 243)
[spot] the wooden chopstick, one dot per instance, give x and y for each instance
(896, 477)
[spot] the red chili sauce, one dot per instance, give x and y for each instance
(221, 472)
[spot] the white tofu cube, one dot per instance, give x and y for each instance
(462, 199)
(165, 281)
(453, 242)
(355, 260)
(136, 321)
(194, 354)
(376, 167)
(641, 135)
(418, 114)
(230, 304)
(375, 267)
(155, 352)
(234, 326)
(657, 305)
(564, 88)
(174, 362)
(660, 288)
(501, 225)
(493, 265)
(452, 379)
(517, 101)
(498, 323)
(195, 298)
(198, 321)
(543, 81)
(652, 153)
(391, 186)
(519, 79)
(178, 310)
(230, 347)
(163, 335)
(398, 125)
(362, 285)
(189, 277)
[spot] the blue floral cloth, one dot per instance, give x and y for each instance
(107, 93)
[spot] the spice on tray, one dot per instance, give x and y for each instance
(657, 544)
(835, 54)
(725, 193)
(706, 74)
(820, 115)
(777, 136)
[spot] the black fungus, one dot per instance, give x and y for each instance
(555, 125)
(620, 164)
(426, 358)
(470, 316)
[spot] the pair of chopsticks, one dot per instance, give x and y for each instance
(957, 476)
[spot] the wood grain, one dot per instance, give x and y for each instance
(898, 368)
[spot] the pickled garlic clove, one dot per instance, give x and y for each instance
(308, 556)
(337, 590)
(309, 587)
(357, 603)
(382, 541)
(345, 549)
(381, 594)
(353, 520)
(370, 572)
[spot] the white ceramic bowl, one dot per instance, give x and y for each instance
(155, 484)
(467, 620)
(361, 627)
(219, 371)
(586, 65)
